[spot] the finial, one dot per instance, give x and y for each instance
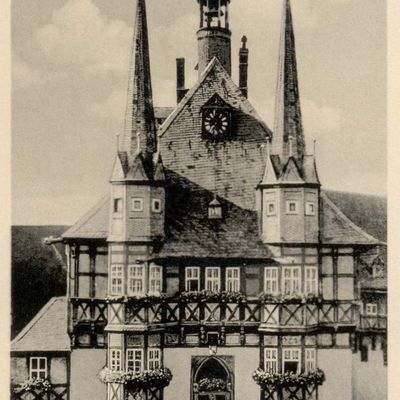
(290, 146)
(244, 41)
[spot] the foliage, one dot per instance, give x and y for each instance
(288, 379)
(206, 295)
(32, 384)
(157, 378)
(293, 298)
(212, 385)
(37, 274)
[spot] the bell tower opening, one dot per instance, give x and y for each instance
(214, 36)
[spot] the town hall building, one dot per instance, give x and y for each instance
(216, 268)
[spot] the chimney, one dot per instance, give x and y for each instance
(243, 67)
(180, 79)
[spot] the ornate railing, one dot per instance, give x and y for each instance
(292, 393)
(55, 392)
(249, 312)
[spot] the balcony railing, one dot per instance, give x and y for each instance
(250, 312)
(55, 392)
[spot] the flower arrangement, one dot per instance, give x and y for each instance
(211, 385)
(157, 378)
(288, 379)
(34, 383)
(294, 298)
(206, 295)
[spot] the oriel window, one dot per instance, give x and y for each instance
(311, 360)
(134, 360)
(115, 359)
(291, 280)
(271, 360)
(136, 283)
(154, 358)
(291, 360)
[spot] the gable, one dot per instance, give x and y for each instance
(233, 168)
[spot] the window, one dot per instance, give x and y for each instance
(271, 280)
(137, 204)
(371, 309)
(233, 279)
(310, 208)
(156, 205)
(212, 279)
(311, 280)
(292, 207)
(154, 358)
(117, 205)
(117, 274)
(38, 368)
(136, 279)
(192, 279)
(291, 280)
(134, 360)
(115, 359)
(271, 360)
(271, 208)
(155, 279)
(291, 360)
(310, 360)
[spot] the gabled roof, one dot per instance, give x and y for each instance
(47, 331)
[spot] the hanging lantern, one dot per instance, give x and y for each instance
(215, 209)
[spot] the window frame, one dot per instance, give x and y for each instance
(310, 363)
(268, 204)
(308, 211)
(38, 370)
(118, 205)
(291, 358)
(368, 311)
(136, 278)
(292, 280)
(134, 351)
(232, 280)
(311, 281)
(213, 281)
(135, 209)
(288, 203)
(153, 359)
(271, 359)
(156, 280)
(116, 359)
(190, 279)
(153, 206)
(119, 276)
(274, 280)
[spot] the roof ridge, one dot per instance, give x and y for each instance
(215, 61)
(40, 314)
(89, 214)
(347, 220)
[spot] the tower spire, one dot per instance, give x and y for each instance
(288, 121)
(139, 116)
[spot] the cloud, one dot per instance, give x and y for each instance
(113, 107)
(79, 36)
(24, 75)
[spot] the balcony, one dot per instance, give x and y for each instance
(266, 316)
(375, 323)
(54, 392)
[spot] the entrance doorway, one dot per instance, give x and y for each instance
(212, 379)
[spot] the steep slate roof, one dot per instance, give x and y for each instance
(232, 168)
(47, 331)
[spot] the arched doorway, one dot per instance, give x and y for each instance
(212, 380)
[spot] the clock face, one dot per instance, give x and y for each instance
(216, 122)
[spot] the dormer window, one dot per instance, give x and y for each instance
(292, 207)
(136, 204)
(215, 210)
(310, 208)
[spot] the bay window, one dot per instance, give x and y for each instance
(233, 279)
(271, 280)
(192, 279)
(136, 283)
(213, 279)
(154, 358)
(134, 360)
(291, 361)
(271, 360)
(115, 359)
(310, 361)
(291, 280)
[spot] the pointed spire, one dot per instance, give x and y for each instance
(139, 116)
(288, 121)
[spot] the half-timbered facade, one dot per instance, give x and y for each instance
(216, 268)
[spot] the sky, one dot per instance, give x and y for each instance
(69, 81)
